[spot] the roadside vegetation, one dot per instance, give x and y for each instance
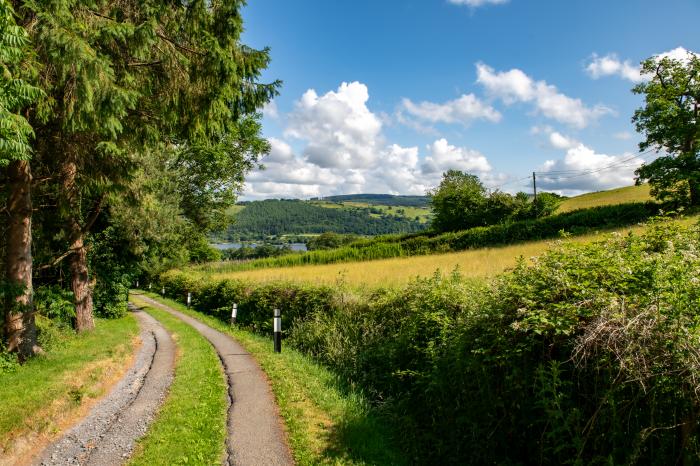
(190, 427)
(51, 392)
(328, 422)
(584, 356)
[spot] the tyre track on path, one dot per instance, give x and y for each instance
(256, 436)
(109, 432)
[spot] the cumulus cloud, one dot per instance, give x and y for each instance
(623, 135)
(339, 129)
(333, 144)
(516, 86)
(443, 156)
(611, 65)
(270, 110)
(582, 169)
(559, 141)
(464, 110)
(477, 3)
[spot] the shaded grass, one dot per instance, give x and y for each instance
(51, 391)
(611, 197)
(327, 423)
(190, 427)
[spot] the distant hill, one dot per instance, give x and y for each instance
(260, 219)
(379, 199)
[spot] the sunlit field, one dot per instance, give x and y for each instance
(614, 196)
(474, 263)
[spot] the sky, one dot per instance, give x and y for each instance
(383, 96)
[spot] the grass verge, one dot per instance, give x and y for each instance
(191, 425)
(52, 391)
(327, 423)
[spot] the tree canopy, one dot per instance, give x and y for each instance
(461, 201)
(669, 121)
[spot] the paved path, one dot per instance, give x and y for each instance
(108, 434)
(255, 433)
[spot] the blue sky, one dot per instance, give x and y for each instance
(383, 96)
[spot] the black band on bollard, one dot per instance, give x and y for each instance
(277, 327)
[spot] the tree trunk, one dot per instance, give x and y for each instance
(694, 192)
(80, 284)
(77, 260)
(20, 329)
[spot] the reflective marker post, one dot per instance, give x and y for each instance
(137, 284)
(163, 292)
(189, 299)
(277, 324)
(149, 287)
(234, 313)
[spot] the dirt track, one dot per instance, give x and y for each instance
(108, 434)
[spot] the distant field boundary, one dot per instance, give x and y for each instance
(575, 222)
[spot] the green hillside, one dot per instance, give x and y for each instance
(262, 219)
(611, 197)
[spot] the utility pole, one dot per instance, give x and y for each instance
(534, 190)
(534, 186)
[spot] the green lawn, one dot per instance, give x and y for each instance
(52, 391)
(327, 423)
(191, 426)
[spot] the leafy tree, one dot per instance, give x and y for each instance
(458, 202)
(16, 95)
(670, 123)
(330, 240)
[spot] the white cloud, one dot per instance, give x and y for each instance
(582, 170)
(270, 110)
(623, 135)
(339, 129)
(515, 86)
(477, 3)
(443, 156)
(679, 53)
(559, 141)
(464, 110)
(611, 65)
(343, 151)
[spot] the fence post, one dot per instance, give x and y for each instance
(189, 299)
(277, 324)
(234, 313)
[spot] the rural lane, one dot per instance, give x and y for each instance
(256, 435)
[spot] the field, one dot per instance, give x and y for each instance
(611, 197)
(473, 263)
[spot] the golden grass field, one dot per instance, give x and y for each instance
(614, 196)
(473, 263)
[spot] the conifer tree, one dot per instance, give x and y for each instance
(16, 95)
(124, 76)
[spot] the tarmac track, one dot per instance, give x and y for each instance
(256, 435)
